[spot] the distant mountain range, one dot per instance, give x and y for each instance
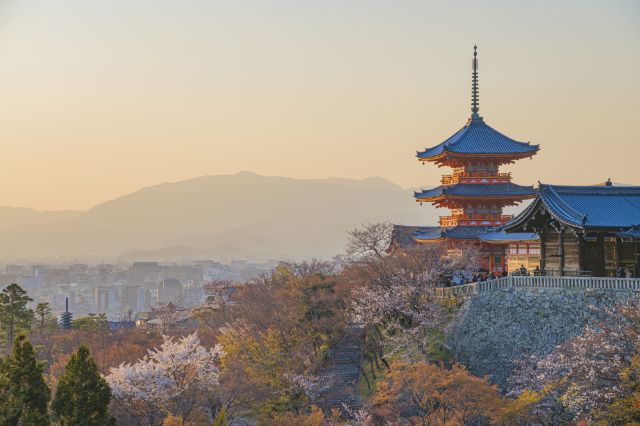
(223, 217)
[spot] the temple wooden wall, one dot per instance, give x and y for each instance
(571, 246)
(597, 256)
(593, 257)
(571, 253)
(551, 251)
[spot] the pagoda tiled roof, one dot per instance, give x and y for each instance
(477, 137)
(477, 190)
(587, 207)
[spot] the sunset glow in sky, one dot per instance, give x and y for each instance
(100, 98)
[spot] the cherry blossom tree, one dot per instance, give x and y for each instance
(175, 378)
(400, 303)
(370, 239)
(584, 374)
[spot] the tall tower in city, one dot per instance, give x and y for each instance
(476, 191)
(66, 318)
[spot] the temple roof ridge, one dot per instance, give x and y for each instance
(554, 201)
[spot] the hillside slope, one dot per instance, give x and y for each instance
(238, 215)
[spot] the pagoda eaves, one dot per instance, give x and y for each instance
(501, 191)
(477, 142)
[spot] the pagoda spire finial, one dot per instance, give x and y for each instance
(475, 97)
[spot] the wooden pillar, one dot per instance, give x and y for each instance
(580, 251)
(602, 257)
(636, 258)
(561, 250)
(490, 261)
(542, 253)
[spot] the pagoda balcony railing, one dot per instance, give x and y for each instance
(476, 178)
(476, 219)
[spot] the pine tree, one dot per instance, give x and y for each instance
(24, 395)
(82, 397)
(15, 316)
(43, 315)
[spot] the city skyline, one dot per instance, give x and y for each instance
(304, 90)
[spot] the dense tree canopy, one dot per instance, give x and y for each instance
(24, 395)
(283, 324)
(15, 315)
(82, 396)
(42, 316)
(261, 350)
(428, 394)
(91, 322)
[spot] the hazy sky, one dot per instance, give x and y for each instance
(100, 98)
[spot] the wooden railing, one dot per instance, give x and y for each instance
(464, 219)
(599, 283)
(475, 178)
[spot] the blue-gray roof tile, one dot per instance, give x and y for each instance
(630, 233)
(500, 235)
(478, 190)
(407, 235)
(454, 232)
(587, 207)
(477, 137)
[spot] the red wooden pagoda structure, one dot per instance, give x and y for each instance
(476, 192)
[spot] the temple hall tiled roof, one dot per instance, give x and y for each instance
(587, 207)
(402, 235)
(630, 233)
(454, 232)
(500, 236)
(477, 137)
(477, 190)
(407, 236)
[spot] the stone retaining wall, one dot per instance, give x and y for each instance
(506, 324)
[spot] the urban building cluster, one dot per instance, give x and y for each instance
(125, 292)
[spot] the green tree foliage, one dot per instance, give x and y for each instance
(43, 316)
(15, 316)
(82, 397)
(221, 418)
(23, 392)
(91, 322)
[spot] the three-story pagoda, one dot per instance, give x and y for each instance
(476, 191)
